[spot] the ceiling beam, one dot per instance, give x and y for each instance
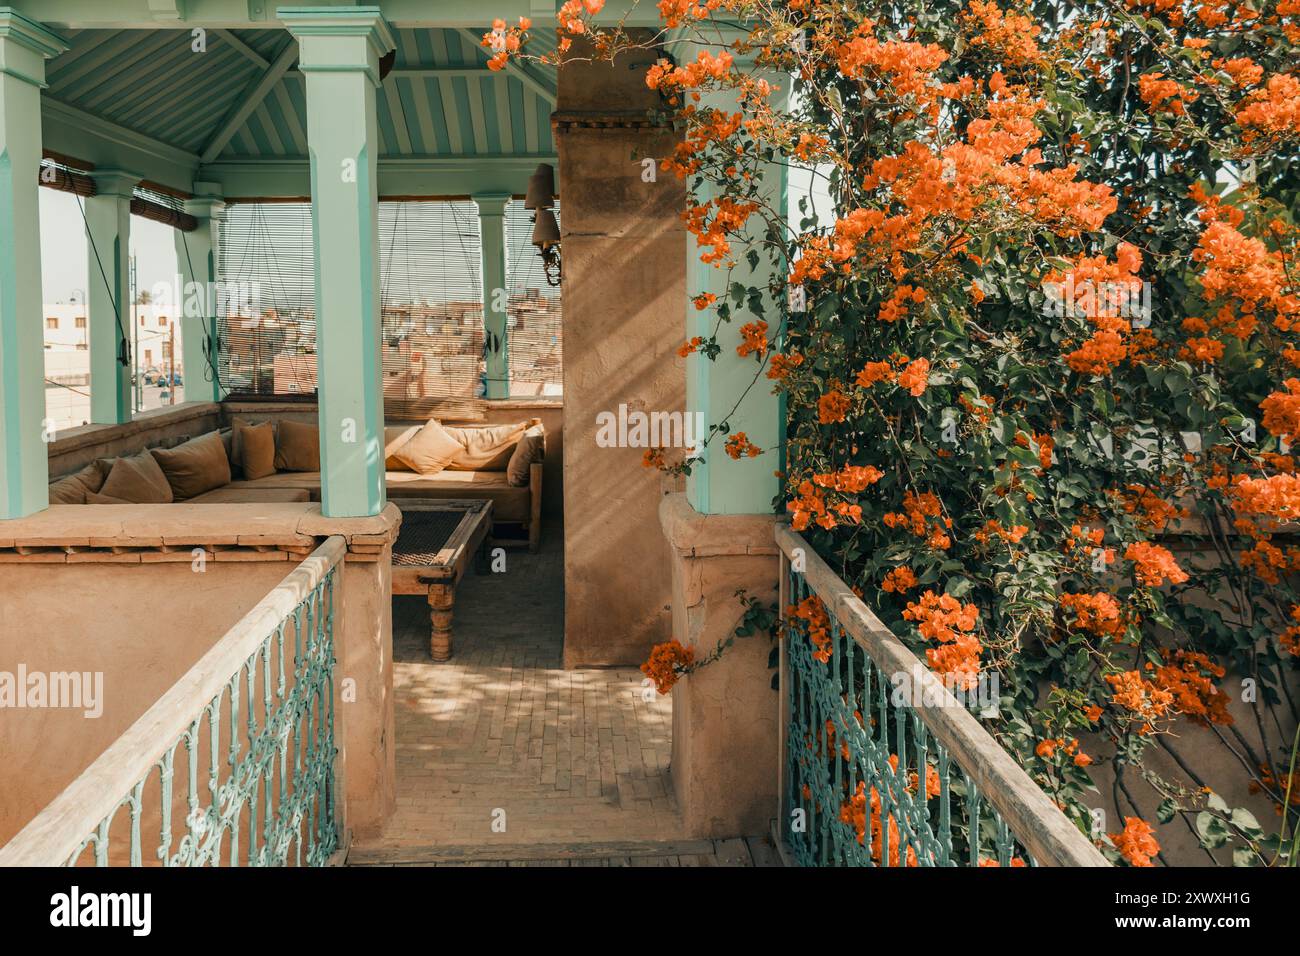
(250, 101)
(515, 69)
(243, 48)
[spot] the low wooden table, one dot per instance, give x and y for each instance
(437, 540)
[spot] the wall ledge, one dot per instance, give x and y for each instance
(87, 436)
(692, 534)
(148, 534)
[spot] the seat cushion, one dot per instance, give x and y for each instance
(297, 446)
(72, 489)
(137, 480)
(429, 450)
(231, 494)
(257, 448)
(194, 467)
(531, 448)
(508, 504)
(485, 447)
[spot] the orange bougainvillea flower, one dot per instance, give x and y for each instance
(915, 377)
(690, 346)
(1154, 564)
(874, 372)
(667, 664)
(1096, 613)
(945, 620)
(739, 446)
(1140, 697)
(899, 580)
(832, 407)
(754, 335)
(782, 365)
(1282, 411)
(1137, 843)
(817, 624)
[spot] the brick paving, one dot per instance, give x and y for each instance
(571, 757)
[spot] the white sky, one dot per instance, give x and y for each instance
(64, 256)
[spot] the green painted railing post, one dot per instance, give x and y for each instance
(197, 253)
(108, 295)
(339, 52)
(24, 48)
(722, 485)
(492, 232)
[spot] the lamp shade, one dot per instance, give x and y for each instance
(546, 231)
(541, 188)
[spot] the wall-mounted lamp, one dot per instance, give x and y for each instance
(546, 231)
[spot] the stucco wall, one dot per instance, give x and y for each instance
(624, 250)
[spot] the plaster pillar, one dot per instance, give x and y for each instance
(24, 474)
(492, 232)
(339, 52)
(624, 285)
(108, 295)
(197, 254)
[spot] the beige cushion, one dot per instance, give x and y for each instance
(72, 489)
(195, 466)
(486, 447)
(236, 445)
(297, 446)
(257, 445)
(135, 480)
(429, 450)
(530, 448)
(394, 438)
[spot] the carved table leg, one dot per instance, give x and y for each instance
(441, 599)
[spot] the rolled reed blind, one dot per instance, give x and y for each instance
(430, 297)
(535, 336)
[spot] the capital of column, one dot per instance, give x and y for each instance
(491, 204)
(339, 39)
(25, 45)
(115, 182)
(207, 202)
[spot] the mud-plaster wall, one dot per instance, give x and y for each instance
(624, 250)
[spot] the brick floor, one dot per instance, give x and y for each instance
(574, 756)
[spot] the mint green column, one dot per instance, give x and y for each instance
(197, 253)
(723, 485)
(24, 471)
(339, 51)
(492, 223)
(108, 294)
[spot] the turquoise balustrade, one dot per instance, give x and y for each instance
(234, 765)
(881, 764)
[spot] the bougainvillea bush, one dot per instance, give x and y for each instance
(1041, 359)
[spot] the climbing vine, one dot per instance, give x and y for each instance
(1037, 327)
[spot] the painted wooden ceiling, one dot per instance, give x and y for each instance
(242, 97)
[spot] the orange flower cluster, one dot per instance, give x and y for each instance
(782, 365)
(739, 446)
(689, 346)
(1271, 116)
(851, 479)
(874, 372)
(754, 336)
(1154, 564)
(895, 307)
(1139, 696)
(667, 664)
(1190, 680)
(1276, 497)
(854, 813)
(915, 378)
(1164, 95)
(899, 580)
(1153, 513)
(1097, 613)
(1269, 561)
(993, 529)
(1137, 843)
(1008, 36)
(713, 221)
(945, 620)
(1047, 749)
(1289, 640)
(571, 19)
(817, 624)
(916, 516)
(1282, 411)
(504, 40)
(833, 407)
(1245, 271)
(706, 68)
(1107, 290)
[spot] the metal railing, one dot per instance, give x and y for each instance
(881, 764)
(255, 720)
